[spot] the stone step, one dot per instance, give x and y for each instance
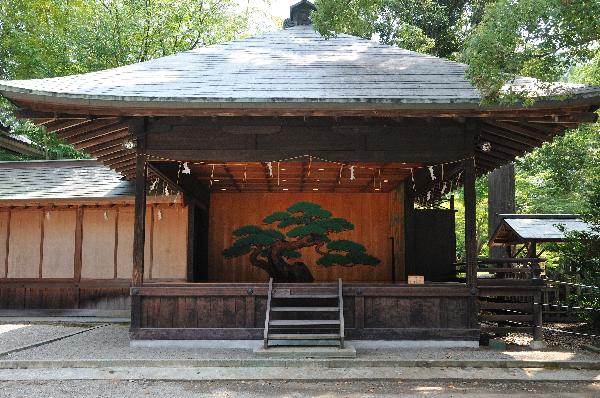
(305, 309)
(305, 296)
(304, 336)
(303, 322)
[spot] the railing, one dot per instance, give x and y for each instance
(510, 300)
(341, 309)
(268, 314)
(507, 268)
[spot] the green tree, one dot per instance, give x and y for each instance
(537, 38)
(437, 27)
(302, 225)
(48, 38)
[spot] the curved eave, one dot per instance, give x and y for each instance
(106, 105)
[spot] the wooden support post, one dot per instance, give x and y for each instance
(409, 230)
(136, 128)
(471, 238)
(470, 220)
(537, 316)
(191, 234)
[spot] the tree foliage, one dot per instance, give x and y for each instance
(436, 27)
(47, 38)
(302, 225)
(499, 39)
(537, 38)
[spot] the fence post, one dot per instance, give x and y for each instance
(537, 317)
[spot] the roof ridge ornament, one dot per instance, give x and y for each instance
(299, 14)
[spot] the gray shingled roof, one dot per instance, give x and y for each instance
(69, 179)
(537, 227)
(295, 65)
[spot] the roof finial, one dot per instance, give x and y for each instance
(299, 14)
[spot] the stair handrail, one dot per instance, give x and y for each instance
(341, 309)
(269, 294)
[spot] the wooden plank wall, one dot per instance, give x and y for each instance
(41, 244)
(41, 265)
(369, 212)
(237, 311)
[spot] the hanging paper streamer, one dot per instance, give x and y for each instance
(340, 179)
(166, 190)
(245, 174)
(352, 176)
(428, 196)
(212, 173)
(159, 214)
(442, 171)
(154, 184)
(433, 177)
(444, 188)
(277, 173)
(186, 169)
(412, 178)
(105, 216)
(309, 166)
(270, 168)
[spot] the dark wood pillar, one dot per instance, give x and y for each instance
(501, 200)
(470, 222)
(136, 128)
(471, 239)
(409, 230)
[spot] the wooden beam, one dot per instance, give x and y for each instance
(470, 222)
(114, 135)
(518, 129)
(138, 126)
(499, 132)
(96, 133)
(86, 127)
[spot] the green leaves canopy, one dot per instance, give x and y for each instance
(498, 39)
(47, 38)
(537, 38)
(437, 27)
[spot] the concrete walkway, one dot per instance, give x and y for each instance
(104, 354)
(299, 373)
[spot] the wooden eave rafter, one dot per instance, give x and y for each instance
(294, 176)
(511, 132)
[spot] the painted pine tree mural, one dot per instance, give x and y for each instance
(302, 225)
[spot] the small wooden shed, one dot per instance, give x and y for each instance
(240, 129)
(531, 229)
(66, 233)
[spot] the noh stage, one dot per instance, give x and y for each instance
(367, 138)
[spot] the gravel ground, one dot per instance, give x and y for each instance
(17, 335)
(112, 342)
(560, 340)
(89, 389)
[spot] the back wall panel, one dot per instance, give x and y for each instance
(369, 212)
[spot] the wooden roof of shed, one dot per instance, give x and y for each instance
(60, 179)
(521, 228)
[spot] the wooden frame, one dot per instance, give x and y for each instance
(237, 311)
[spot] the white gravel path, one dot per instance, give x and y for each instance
(112, 342)
(17, 335)
(277, 389)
